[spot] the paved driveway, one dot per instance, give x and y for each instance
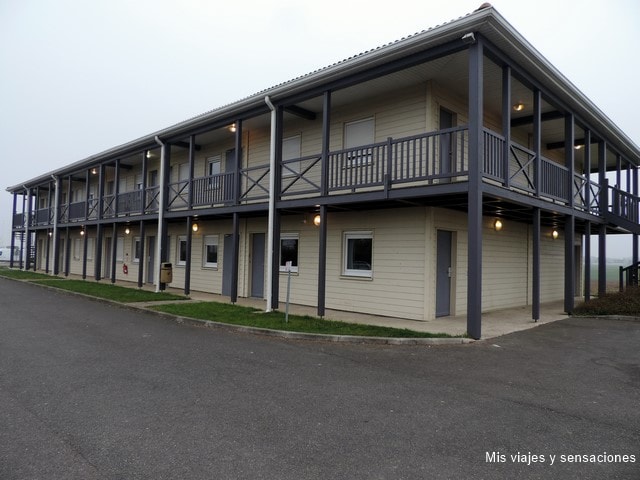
(93, 391)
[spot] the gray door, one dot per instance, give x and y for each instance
(443, 274)
(257, 265)
(151, 243)
(227, 264)
(446, 121)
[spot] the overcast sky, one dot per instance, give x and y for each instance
(78, 77)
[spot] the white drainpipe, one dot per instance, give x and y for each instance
(272, 203)
(160, 240)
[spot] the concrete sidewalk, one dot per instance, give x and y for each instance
(494, 324)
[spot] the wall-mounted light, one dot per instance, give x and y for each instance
(94, 171)
(148, 154)
(577, 147)
(195, 227)
(518, 107)
(127, 231)
(317, 220)
(82, 232)
(497, 225)
(233, 128)
(50, 233)
(555, 234)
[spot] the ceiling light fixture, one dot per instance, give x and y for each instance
(518, 107)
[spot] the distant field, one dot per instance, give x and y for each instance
(613, 276)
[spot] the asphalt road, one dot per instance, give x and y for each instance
(90, 390)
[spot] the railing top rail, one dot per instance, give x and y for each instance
(517, 146)
(555, 164)
(302, 159)
(493, 133)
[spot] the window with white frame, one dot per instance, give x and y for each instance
(181, 250)
(137, 249)
(291, 148)
(289, 243)
(210, 254)
(77, 248)
(358, 254)
(90, 248)
(120, 249)
(358, 134)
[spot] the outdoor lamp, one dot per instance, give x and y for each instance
(555, 234)
(497, 225)
(195, 227)
(316, 220)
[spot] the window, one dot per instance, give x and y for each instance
(358, 254)
(90, 248)
(183, 171)
(182, 250)
(137, 250)
(289, 251)
(120, 249)
(358, 134)
(210, 256)
(138, 181)
(77, 248)
(213, 169)
(291, 151)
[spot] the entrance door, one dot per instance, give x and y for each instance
(257, 265)
(443, 274)
(227, 264)
(107, 257)
(446, 121)
(151, 244)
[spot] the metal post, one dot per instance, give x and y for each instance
(569, 263)
(236, 257)
(114, 251)
(48, 254)
(192, 161)
(56, 219)
(506, 122)
(535, 288)
(13, 225)
(187, 266)
(569, 155)
(587, 261)
(100, 203)
(142, 255)
(27, 230)
(636, 216)
(67, 252)
(322, 261)
(537, 140)
(275, 268)
(238, 165)
(326, 139)
(85, 241)
(476, 109)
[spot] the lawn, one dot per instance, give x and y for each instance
(251, 317)
(110, 292)
(22, 274)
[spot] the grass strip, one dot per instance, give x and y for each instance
(620, 303)
(251, 317)
(110, 292)
(22, 274)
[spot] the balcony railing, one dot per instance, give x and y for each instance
(421, 160)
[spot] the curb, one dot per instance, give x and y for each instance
(623, 318)
(267, 332)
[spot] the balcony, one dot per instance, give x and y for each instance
(433, 158)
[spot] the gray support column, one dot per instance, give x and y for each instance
(238, 166)
(236, 257)
(87, 192)
(324, 184)
(602, 233)
(162, 254)
(67, 252)
(537, 140)
(476, 109)
(535, 287)
(13, 225)
(85, 242)
(56, 220)
(48, 254)
(143, 187)
(326, 139)
(587, 261)
(586, 171)
(322, 261)
(506, 122)
(602, 260)
(192, 161)
(634, 238)
(27, 229)
(116, 189)
(97, 258)
(187, 265)
(142, 256)
(114, 251)
(569, 231)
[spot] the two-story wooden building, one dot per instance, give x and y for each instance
(454, 171)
